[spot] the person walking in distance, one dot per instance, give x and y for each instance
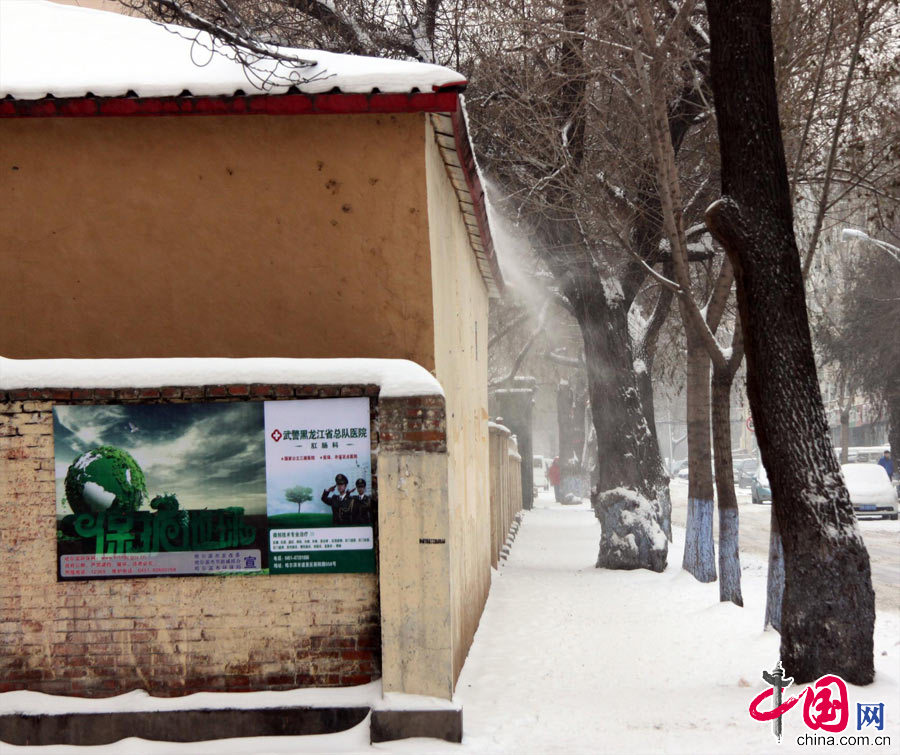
(553, 476)
(887, 463)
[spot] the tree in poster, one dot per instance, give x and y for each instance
(298, 494)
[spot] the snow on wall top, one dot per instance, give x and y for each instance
(28, 703)
(397, 377)
(67, 51)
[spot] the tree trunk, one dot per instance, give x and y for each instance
(894, 428)
(699, 552)
(729, 556)
(567, 420)
(828, 607)
(845, 434)
(579, 412)
(564, 419)
(645, 353)
(661, 483)
(625, 500)
(775, 580)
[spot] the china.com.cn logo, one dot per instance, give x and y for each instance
(825, 704)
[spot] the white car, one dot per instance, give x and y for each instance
(871, 492)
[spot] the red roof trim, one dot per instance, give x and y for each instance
(442, 101)
(476, 191)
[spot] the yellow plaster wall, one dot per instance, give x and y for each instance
(416, 623)
(460, 348)
(289, 236)
(295, 236)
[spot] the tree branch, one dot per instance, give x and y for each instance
(217, 31)
(564, 360)
(721, 292)
(526, 348)
(835, 140)
(647, 347)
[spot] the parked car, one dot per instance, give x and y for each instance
(871, 492)
(677, 467)
(862, 453)
(745, 472)
(760, 489)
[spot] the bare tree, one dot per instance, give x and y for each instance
(580, 172)
(837, 82)
(828, 609)
(835, 75)
(651, 53)
(425, 30)
(863, 343)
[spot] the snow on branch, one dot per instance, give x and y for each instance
(676, 28)
(236, 40)
(617, 195)
(642, 26)
(693, 30)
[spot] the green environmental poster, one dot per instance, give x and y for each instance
(188, 489)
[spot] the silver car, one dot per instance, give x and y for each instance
(871, 492)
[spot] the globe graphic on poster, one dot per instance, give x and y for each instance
(105, 478)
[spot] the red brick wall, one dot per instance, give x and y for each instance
(413, 424)
(176, 635)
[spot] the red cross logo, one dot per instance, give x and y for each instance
(276, 435)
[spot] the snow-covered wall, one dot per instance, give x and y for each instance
(506, 486)
(177, 635)
(395, 377)
(169, 635)
(460, 338)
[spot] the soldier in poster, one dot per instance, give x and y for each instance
(361, 504)
(315, 449)
(338, 498)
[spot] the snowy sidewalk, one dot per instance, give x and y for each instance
(572, 659)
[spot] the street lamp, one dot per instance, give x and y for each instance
(853, 233)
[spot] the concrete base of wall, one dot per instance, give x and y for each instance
(176, 726)
(388, 725)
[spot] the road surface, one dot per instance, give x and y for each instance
(882, 538)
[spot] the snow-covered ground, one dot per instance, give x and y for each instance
(572, 659)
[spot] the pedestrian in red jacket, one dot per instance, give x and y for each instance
(553, 476)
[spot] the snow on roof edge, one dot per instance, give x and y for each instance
(396, 377)
(70, 52)
(484, 221)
